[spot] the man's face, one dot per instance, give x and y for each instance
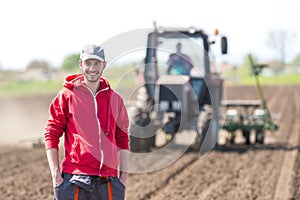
(92, 69)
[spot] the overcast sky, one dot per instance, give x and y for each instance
(52, 29)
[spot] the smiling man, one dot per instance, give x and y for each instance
(94, 121)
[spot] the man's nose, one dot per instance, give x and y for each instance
(92, 67)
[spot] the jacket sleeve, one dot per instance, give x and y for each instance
(122, 136)
(57, 121)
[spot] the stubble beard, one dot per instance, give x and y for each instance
(92, 78)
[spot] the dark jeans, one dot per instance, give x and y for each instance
(89, 188)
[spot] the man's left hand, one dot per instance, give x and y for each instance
(123, 178)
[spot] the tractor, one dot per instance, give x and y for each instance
(181, 90)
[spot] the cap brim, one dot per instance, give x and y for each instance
(92, 57)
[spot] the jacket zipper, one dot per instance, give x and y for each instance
(99, 128)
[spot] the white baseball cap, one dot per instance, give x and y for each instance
(92, 51)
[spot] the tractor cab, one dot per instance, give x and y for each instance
(175, 53)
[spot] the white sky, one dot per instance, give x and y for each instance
(52, 29)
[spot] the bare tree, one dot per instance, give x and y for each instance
(281, 41)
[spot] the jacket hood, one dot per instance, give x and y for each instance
(76, 80)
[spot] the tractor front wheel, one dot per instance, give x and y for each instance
(141, 139)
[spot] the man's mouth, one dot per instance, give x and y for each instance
(93, 73)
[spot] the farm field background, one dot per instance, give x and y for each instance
(269, 171)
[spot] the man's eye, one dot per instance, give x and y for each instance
(99, 64)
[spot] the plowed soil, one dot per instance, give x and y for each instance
(268, 171)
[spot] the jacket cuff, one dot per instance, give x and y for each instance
(123, 145)
(50, 144)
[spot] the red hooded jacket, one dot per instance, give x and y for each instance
(95, 127)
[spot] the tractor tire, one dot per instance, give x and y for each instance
(139, 142)
(142, 137)
(201, 135)
(198, 142)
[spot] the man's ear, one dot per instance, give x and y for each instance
(104, 65)
(80, 64)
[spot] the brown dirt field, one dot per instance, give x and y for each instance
(269, 171)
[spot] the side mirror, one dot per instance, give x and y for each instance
(224, 45)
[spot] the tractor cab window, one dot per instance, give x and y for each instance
(179, 63)
(180, 56)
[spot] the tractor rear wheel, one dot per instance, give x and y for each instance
(142, 130)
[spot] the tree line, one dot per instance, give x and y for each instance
(281, 42)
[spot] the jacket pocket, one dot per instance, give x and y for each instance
(109, 148)
(80, 154)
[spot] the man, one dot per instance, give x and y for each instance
(94, 121)
(179, 63)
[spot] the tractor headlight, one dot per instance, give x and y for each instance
(164, 105)
(176, 105)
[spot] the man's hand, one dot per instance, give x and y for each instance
(123, 177)
(57, 180)
(123, 166)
